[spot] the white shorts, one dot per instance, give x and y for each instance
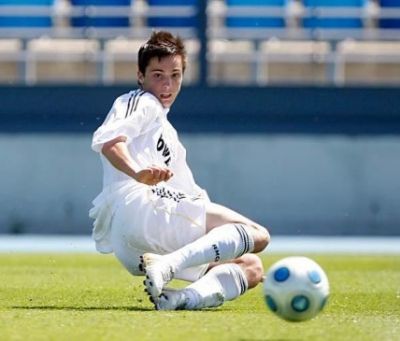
(157, 219)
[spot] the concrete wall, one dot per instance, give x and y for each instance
(295, 184)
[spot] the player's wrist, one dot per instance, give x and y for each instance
(134, 175)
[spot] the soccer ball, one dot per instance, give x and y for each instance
(296, 288)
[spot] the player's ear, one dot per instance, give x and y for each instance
(140, 78)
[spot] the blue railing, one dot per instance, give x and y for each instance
(255, 20)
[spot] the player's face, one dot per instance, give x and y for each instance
(163, 78)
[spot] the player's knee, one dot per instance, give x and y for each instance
(253, 269)
(261, 238)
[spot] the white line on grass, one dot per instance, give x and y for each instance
(279, 244)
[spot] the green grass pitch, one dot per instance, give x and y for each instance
(91, 297)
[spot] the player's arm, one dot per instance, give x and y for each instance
(117, 153)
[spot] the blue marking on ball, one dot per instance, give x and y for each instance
(314, 276)
(281, 274)
(271, 303)
(300, 303)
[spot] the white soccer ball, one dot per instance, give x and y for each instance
(296, 288)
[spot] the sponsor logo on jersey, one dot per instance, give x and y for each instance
(163, 148)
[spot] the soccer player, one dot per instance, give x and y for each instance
(151, 213)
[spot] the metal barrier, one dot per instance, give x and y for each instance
(212, 29)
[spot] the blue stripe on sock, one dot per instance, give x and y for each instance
(242, 237)
(245, 238)
(243, 286)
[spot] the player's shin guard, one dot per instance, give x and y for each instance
(220, 244)
(222, 283)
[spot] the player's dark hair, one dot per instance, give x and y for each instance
(161, 44)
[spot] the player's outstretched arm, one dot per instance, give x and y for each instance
(118, 155)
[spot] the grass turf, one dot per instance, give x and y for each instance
(91, 297)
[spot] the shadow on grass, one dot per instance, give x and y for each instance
(43, 307)
(69, 308)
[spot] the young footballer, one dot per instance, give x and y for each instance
(151, 213)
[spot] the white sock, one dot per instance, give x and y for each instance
(222, 283)
(220, 244)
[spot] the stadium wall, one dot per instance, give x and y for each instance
(300, 160)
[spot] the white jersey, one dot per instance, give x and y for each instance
(151, 140)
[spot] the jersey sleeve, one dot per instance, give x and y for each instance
(131, 115)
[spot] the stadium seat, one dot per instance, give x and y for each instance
(120, 61)
(103, 20)
(320, 20)
(10, 50)
(293, 62)
(62, 60)
(173, 21)
(192, 72)
(390, 23)
(255, 21)
(374, 63)
(27, 21)
(231, 62)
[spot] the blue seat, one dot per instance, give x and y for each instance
(392, 22)
(184, 21)
(254, 22)
(324, 22)
(88, 21)
(22, 21)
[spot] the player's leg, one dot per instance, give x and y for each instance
(223, 282)
(218, 215)
(230, 236)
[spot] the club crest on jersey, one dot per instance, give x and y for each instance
(163, 148)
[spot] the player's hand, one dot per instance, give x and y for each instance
(153, 175)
